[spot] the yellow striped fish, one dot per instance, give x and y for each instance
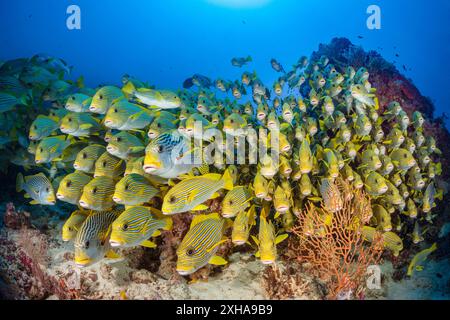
(98, 193)
(71, 187)
(391, 240)
(73, 224)
(92, 240)
(190, 193)
(134, 189)
(109, 166)
(200, 244)
(267, 240)
(242, 225)
(136, 225)
(104, 98)
(37, 187)
(42, 127)
(235, 201)
(123, 144)
(78, 102)
(85, 159)
(124, 115)
(50, 148)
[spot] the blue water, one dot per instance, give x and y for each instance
(166, 41)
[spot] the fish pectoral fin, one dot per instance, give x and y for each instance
(112, 255)
(26, 195)
(192, 196)
(218, 261)
(156, 233)
(86, 126)
(280, 238)
(217, 244)
(215, 195)
(200, 207)
(277, 214)
(148, 244)
(257, 254)
(255, 239)
(34, 202)
(136, 149)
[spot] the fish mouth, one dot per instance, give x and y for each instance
(111, 149)
(267, 261)
(282, 209)
(76, 166)
(384, 189)
(83, 204)
(116, 199)
(59, 196)
(115, 243)
(82, 262)
(51, 202)
(108, 122)
(238, 242)
(149, 168)
(260, 195)
(37, 161)
(92, 108)
(31, 137)
(184, 272)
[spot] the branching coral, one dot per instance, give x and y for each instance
(332, 245)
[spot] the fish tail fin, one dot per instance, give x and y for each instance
(80, 82)
(227, 180)
(19, 182)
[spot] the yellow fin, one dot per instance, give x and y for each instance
(148, 244)
(202, 217)
(34, 202)
(280, 238)
(200, 207)
(156, 233)
(218, 261)
(112, 255)
(192, 196)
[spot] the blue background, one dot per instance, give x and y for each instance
(166, 41)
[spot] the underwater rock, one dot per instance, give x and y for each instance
(15, 219)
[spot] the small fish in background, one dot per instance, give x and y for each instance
(104, 98)
(86, 158)
(37, 187)
(197, 80)
(92, 239)
(199, 245)
(360, 37)
(242, 226)
(276, 66)
(235, 201)
(239, 62)
(42, 127)
(417, 262)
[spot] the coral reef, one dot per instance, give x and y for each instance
(332, 246)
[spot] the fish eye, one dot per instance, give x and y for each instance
(119, 139)
(125, 227)
(69, 119)
(190, 252)
(159, 125)
(231, 202)
(100, 97)
(73, 98)
(84, 155)
(160, 149)
(86, 244)
(172, 199)
(115, 109)
(68, 184)
(35, 127)
(41, 150)
(405, 156)
(104, 164)
(70, 228)
(94, 191)
(127, 186)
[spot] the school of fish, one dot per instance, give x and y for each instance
(119, 155)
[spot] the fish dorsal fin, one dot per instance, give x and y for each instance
(212, 176)
(202, 217)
